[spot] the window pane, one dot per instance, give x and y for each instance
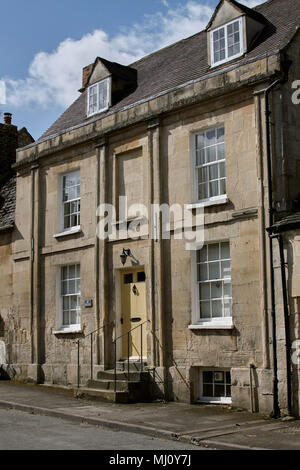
(211, 154)
(214, 271)
(207, 390)
(202, 254)
(221, 170)
(64, 273)
(213, 172)
(200, 157)
(213, 252)
(72, 272)
(73, 302)
(220, 135)
(67, 222)
(103, 94)
(207, 377)
(228, 378)
(213, 189)
(223, 186)
(217, 308)
(72, 287)
(203, 272)
(66, 318)
(225, 250)
(221, 152)
(203, 175)
(205, 310)
(216, 290)
(200, 141)
(66, 303)
(219, 391)
(227, 289)
(74, 320)
(211, 137)
(205, 291)
(226, 270)
(203, 191)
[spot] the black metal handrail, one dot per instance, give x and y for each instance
(128, 354)
(78, 351)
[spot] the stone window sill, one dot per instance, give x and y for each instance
(213, 201)
(72, 231)
(212, 326)
(68, 331)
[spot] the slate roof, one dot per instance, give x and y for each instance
(8, 180)
(186, 60)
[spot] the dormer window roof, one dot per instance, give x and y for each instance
(105, 84)
(226, 42)
(232, 31)
(98, 97)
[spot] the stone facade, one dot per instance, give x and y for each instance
(146, 152)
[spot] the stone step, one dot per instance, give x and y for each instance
(133, 365)
(134, 376)
(121, 385)
(103, 395)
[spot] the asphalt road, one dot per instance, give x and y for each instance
(23, 431)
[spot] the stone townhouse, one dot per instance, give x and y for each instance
(208, 124)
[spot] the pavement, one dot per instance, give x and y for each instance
(213, 427)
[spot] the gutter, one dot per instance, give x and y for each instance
(7, 228)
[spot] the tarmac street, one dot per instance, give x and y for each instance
(23, 431)
(199, 427)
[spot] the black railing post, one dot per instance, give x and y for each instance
(78, 363)
(92, 356)
(115, 343)
(128, 356)
(142, 365)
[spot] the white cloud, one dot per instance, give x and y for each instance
(251, 3)
(54, 77)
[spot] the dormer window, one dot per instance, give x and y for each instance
(98, 97)
(226, 42)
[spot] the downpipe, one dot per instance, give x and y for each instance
(285, 64)
(286, 322)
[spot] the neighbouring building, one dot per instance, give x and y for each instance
(209, 123)
(10, 334)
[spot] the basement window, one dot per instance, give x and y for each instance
(98, 97)
(215, 386)
(226, 42)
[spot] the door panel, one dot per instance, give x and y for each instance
(134, 314)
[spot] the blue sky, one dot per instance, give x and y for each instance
(45, 44)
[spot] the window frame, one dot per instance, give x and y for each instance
(213, 400)
(209, 321)
(224, 26)
(107, 79)
(70, 327)
(212, 199)
(73, 228)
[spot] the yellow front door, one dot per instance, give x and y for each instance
(133, 314)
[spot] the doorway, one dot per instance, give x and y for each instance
(133, 314)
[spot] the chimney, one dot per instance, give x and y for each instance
(7, 118)
(86, 71)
